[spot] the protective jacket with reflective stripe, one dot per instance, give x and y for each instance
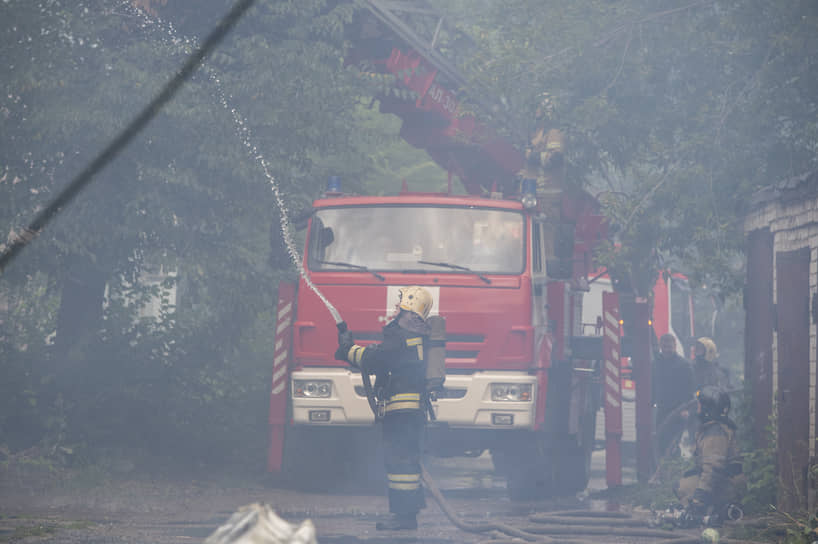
(398, 362)
(716, 455)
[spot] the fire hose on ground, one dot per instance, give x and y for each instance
(563, 527)
(548, 528)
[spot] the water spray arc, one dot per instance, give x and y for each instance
(246, 138)
(78, 183)
(293, 252)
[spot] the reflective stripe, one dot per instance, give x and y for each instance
(404, 482)
(405, 396)
(417, 341)
(403, 477)
(403, 405)
(404, 487)
(403, 401)
(355, 354)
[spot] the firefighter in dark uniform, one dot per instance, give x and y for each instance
(399, 366)
(717, 479)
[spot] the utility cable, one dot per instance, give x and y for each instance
(82, 179)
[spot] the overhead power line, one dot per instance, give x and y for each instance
(82, 179)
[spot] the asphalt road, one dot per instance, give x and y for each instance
(140, 511)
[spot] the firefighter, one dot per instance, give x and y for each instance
(544, 159)
(672, 387)
(706, 368)
(399, 366)
(544, 154)
(716, 479)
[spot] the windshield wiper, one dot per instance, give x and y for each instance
(457, 267)
(355, 266)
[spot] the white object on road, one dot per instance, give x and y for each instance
(257, 523)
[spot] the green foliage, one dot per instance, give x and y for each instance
(190, 380)
(28, 531)
(759, 462)
(673, 117)
(657, 494)
(390, 160)
(675, 113)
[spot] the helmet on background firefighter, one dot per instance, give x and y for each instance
(415, 299)
(714, 403)
(711, 353)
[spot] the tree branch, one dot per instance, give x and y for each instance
(642, 201)
(653, 16)
(621, 62)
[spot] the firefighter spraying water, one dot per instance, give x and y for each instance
(399, 366)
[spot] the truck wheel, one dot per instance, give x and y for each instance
(499, 459)
(573, 472)
(573, 458)
(528, 482)
(526, 466)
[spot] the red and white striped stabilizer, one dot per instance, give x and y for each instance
(281, 375)
(612, 389)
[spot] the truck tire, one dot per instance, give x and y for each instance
(529, 482)
(573, 472)
(526, 465)
(573, 456)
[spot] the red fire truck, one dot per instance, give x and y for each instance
(507, 269)
(521, 380)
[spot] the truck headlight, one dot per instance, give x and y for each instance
(513, 392)
(315, 389)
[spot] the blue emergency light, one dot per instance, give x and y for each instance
(334, 185)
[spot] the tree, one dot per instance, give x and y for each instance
(675, 111)
(188, 194)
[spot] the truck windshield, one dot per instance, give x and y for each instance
(397, 238)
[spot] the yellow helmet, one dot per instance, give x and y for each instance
(710, 351)
(416, 299)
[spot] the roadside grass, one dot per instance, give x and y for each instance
(20, 532)
(657, 494)
(18, 527)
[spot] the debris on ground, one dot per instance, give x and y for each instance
(258, 523)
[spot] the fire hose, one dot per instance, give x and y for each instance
(561, 527)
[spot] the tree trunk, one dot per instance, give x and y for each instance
(80, 312)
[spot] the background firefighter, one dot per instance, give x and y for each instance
(399, 365)
(716, 479)
(672, 386)
(544, 159)
(706, 367)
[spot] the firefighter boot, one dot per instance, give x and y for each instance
(398, 522)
